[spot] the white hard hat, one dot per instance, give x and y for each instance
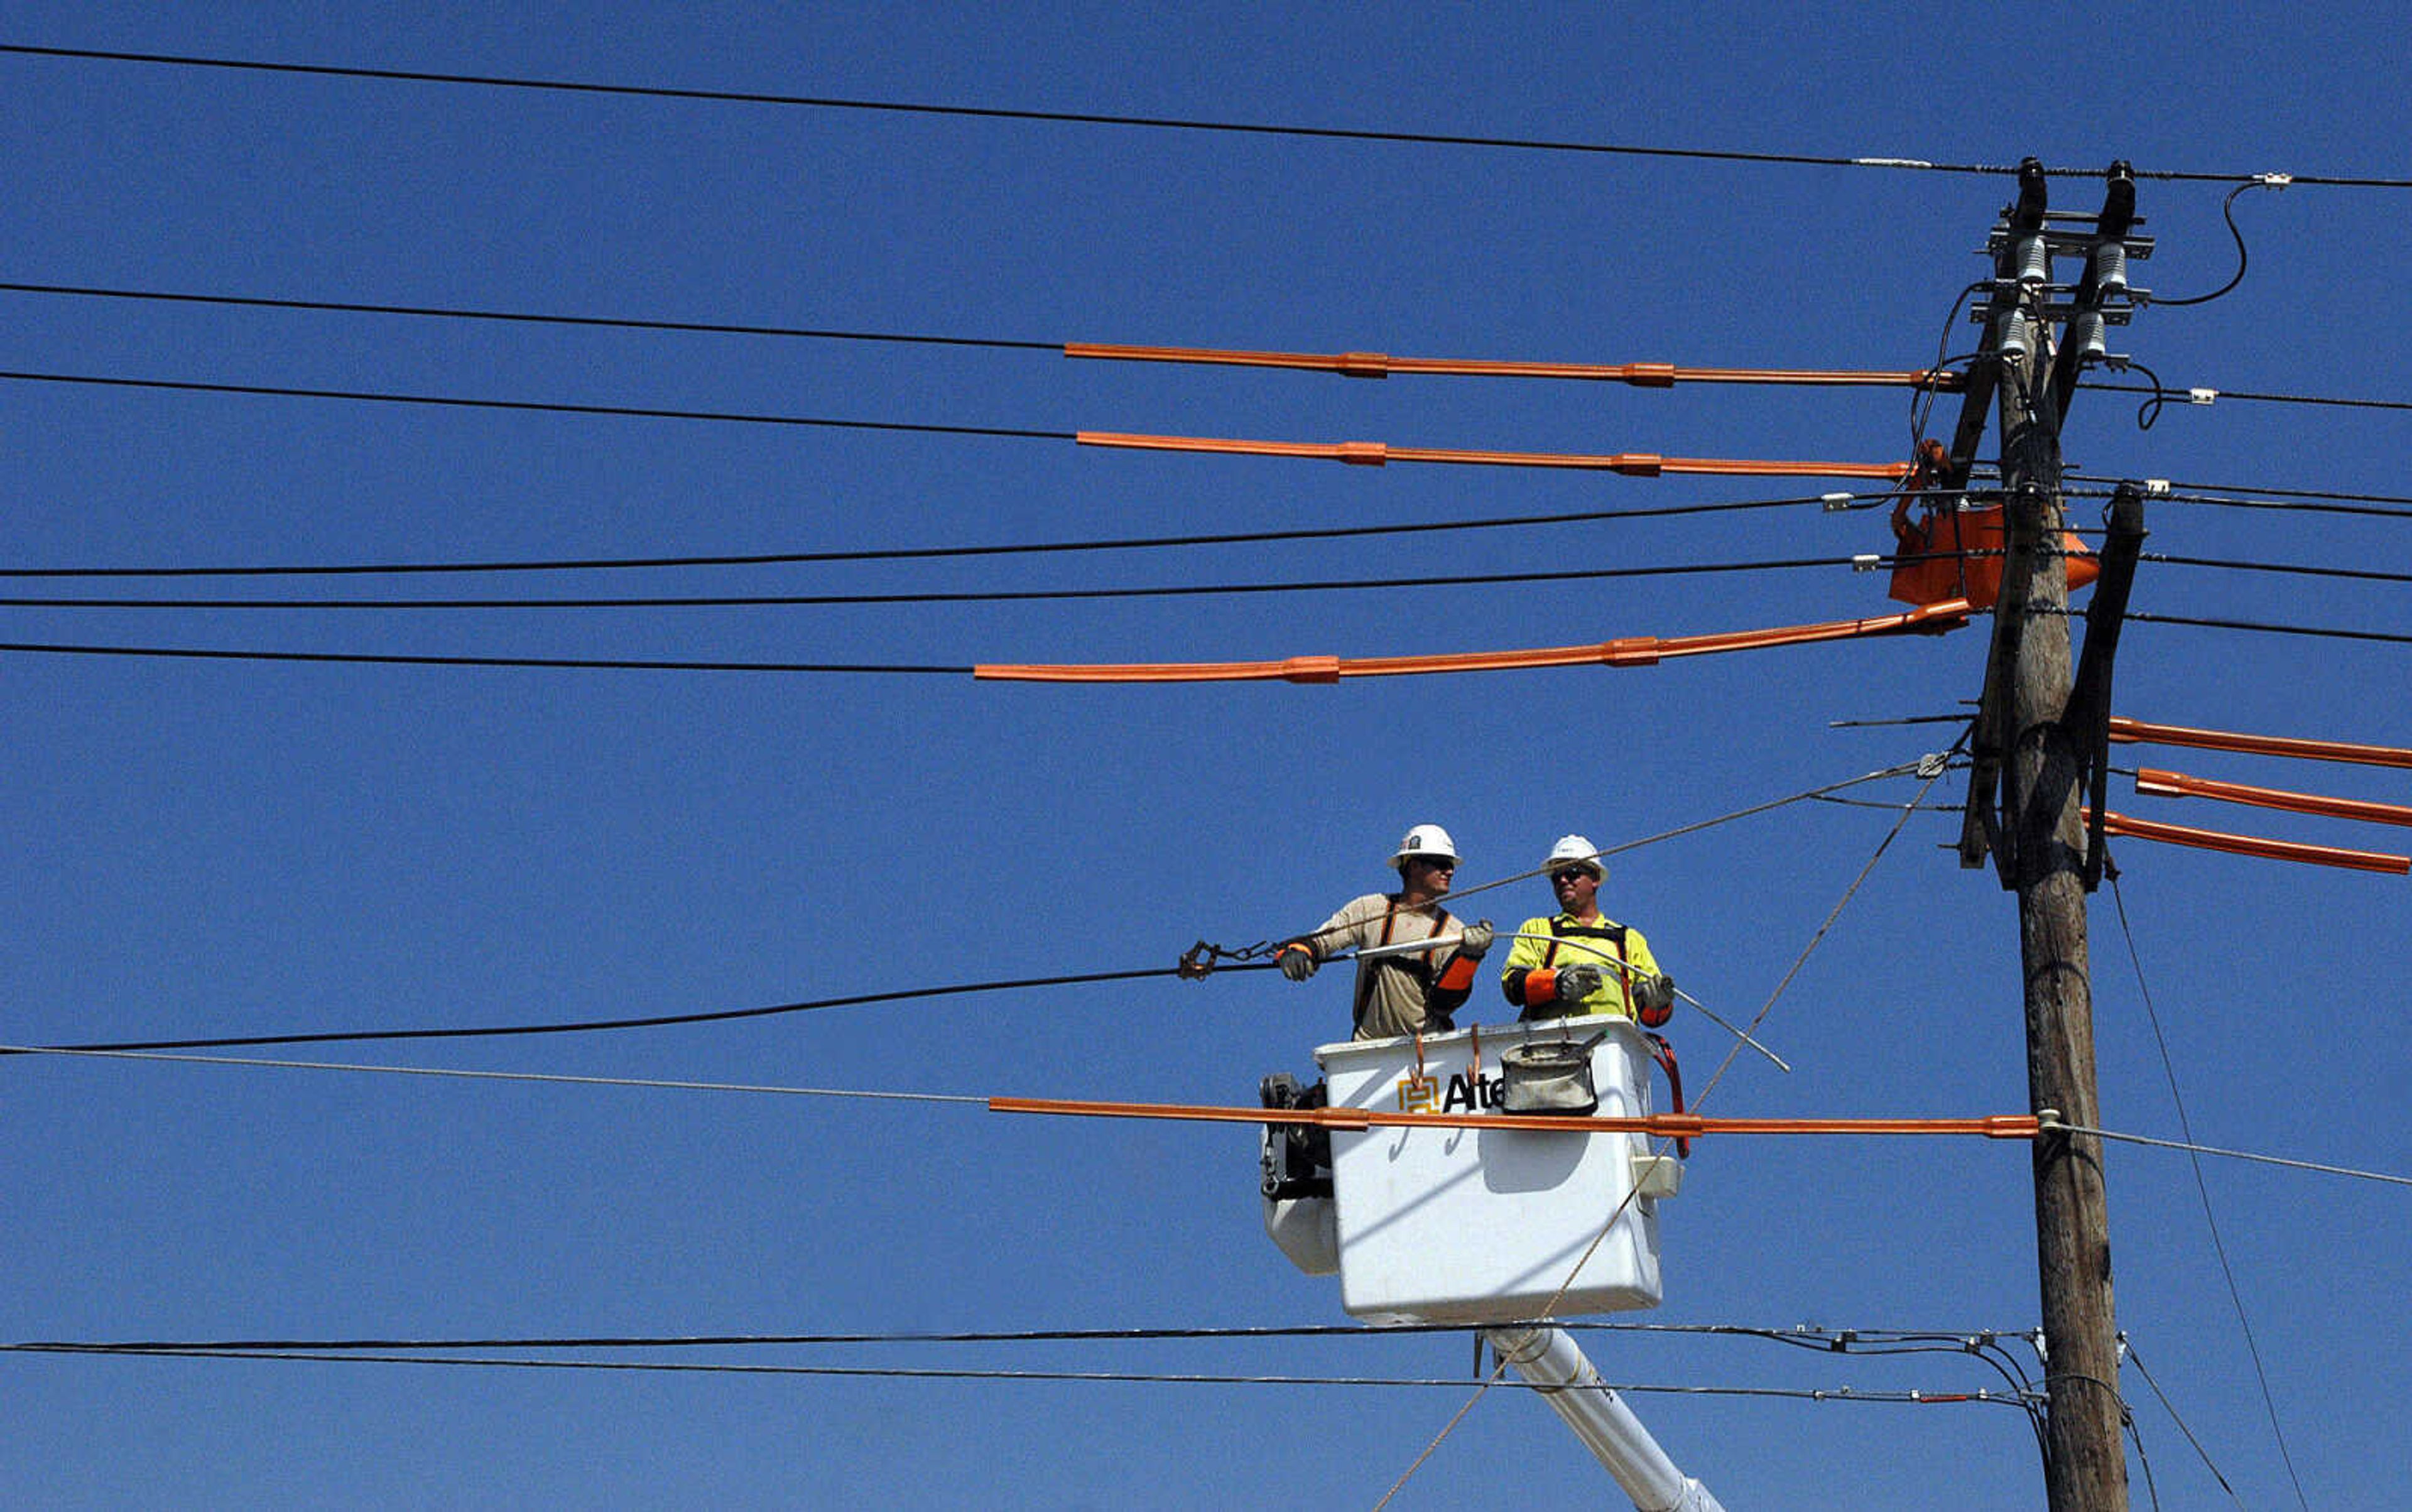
(1424, 840)
(1575, 850)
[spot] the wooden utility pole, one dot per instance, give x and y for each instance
(2087, 1468)
(2040, 750)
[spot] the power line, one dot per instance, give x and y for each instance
(2191, 1148)
(2202, 1189)
(2174, 392)
(1820, 1340)
(2293, 568)
(999, 595)
(2325, 632)
(620, 664)
(1158, 123)
(1863, 562)
(540, 406)
(900, 1372)
(1841, 501)
(652, 1022)
(2170, 1407)
(540, 1078)
(444, 312)
(2264, 498)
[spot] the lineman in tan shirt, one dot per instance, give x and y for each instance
(1413, 993)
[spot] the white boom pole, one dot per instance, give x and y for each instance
(1550, 1358)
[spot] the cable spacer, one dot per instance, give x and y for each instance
(1310, 669)
(1365, 364)
(1363, 453)
(2157, 488)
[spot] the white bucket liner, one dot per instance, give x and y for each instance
(1468, 1225)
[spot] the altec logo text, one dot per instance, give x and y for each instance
(1463, 1094)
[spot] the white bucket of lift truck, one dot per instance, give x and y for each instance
(1473, 1224)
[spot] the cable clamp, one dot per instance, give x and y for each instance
(1835, 503)
(1866, 561)
(2202, 396)
(2273, 181)
(1933, 765)
(1199, 962)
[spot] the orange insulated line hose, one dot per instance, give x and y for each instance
(2128, 731)
(2275, 850)
(1382, 364)
(2178, 785)
(1376, 454)
(1635, 651)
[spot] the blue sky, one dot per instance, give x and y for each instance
(234, 848)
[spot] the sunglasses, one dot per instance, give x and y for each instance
(1567, 873)
(1438, 863)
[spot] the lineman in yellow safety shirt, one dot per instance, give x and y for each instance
(1583, 962)
(1413, 993)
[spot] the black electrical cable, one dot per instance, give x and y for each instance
(972, 596)
(616, 664)
(2171, 1407)
(1163, 123)
(2324, 632)
(933, 552)
(716, 328)
(650, 1021)
(1922, 400)
(2202, 493)
(963, 1373)
(2149, 410)
(2227, 209)
(2331, 401)
(454, 402)
(992, 113)
(2380, 510)
(2231, 564)
(1848, 1342)
(2202, 1189)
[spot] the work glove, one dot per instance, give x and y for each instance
(1575, 983)
(1475, 941)
(1297, 962)
(1653, 999)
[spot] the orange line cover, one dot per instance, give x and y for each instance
(1382, 364)
(1634, 650)
(1673, 1125)
(2274, 850)
(2158, 783)
(1377, 454)
(2129, 731)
